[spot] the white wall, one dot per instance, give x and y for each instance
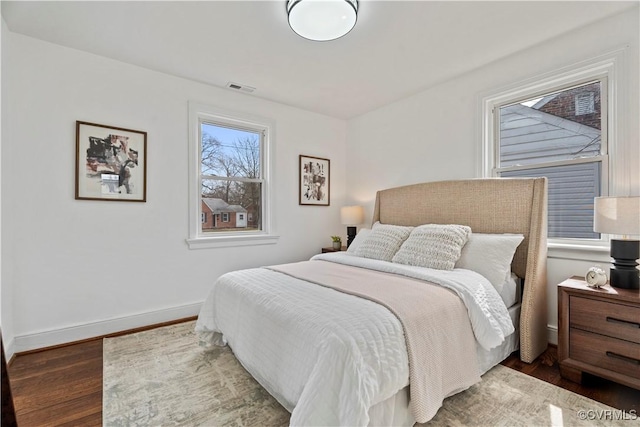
(435, 135)
(84, 268)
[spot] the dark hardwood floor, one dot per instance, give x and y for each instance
(63, 386)
(57, 387)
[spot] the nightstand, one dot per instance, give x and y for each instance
(599, 332)
(325, 250)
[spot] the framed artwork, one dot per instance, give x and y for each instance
(314, 181)
(111, 163)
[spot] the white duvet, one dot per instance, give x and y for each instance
(327, 356)
(489, 316)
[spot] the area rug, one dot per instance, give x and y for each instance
(161, 377)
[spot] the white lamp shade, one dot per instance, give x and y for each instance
(617, 215)
(351, 215)
(322, 20)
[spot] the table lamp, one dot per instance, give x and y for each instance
(621, 216)
(351, 216)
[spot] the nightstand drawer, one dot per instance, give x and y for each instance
(607, 353)
(615, 320)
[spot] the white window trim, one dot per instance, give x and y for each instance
(198, 240)
(608, 67)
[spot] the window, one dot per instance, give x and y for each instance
(203, 217)
(229, 163)
(546, 136)
(556, 126)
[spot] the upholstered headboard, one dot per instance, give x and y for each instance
(497, 205)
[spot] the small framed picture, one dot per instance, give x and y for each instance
(314, 181)
(111, 163)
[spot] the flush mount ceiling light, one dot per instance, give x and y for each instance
(322, 20)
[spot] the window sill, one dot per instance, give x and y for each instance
(232, 241)
(579, 252)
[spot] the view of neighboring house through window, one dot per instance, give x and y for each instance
(559, 135)
(231, 178)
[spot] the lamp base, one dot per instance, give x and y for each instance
(624, 273)
(351, 234)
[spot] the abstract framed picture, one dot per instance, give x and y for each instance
(111, 163)
(314, 181)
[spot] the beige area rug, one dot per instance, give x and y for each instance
(161, 377)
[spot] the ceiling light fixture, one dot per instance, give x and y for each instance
(322, 20)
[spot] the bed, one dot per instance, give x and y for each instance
(349, 339)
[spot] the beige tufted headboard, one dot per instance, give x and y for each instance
(497, 205)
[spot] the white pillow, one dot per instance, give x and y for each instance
(490, 255)
(383, 242)
(510, 292)
(433, 246)
(362, 234)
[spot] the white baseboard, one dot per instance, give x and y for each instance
(54, 337)
(9, 349)
(552, 334)
(95, 329)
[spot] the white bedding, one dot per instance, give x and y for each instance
(331, 356)
(510, 290)
(488, 314)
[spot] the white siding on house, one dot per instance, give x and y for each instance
(571, 192)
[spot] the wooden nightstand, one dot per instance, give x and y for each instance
(599, 332)
(325, 250)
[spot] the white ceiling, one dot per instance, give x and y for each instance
(397, 48)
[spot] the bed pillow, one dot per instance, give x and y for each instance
(362, 234)
(510, 293)
(490, 255)
(434, 246)
(382, 242)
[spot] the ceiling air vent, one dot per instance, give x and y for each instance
(241, 88)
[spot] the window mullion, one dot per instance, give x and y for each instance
(580, 160)
(231, 178)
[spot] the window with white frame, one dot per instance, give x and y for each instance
(229, 164)
(555, 127)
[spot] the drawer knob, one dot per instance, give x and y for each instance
(624, 358)
(623, 322)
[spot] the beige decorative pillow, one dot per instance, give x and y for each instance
(434, 246)
(383, 241)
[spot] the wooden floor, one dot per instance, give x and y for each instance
(63, 386)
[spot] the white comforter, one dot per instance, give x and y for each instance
(489, 316)
(330, 356)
